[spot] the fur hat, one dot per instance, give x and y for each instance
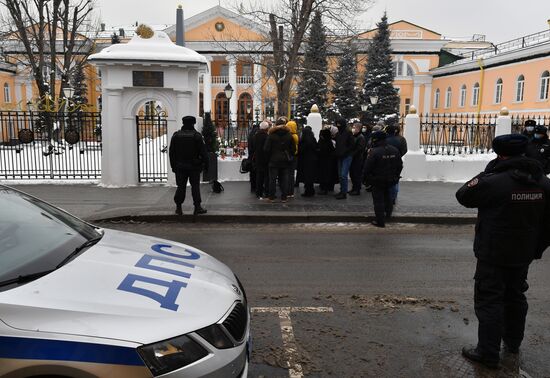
(510, 144)
(264, 125)
(189, 121)
(378, 135)
(530, 122)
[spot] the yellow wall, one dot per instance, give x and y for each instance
(404, 26)
(531, 70)
(232, 32)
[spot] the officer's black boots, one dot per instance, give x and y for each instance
(472, 354)
(199, 210)
(179, 211)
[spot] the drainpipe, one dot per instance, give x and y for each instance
(480, 100)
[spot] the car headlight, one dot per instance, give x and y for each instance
(169, 355)
(216, 336)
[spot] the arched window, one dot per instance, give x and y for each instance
(475, 95)
(7, 93)
(448, 95)
(401, 68)
(245, 109)
(436, 98)
(462, 102)
(544, 83)
(498, 91)
(221, 110)
(520, 85)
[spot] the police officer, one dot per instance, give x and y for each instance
(529, 128)
(539, 147)
(513, 228)
(188, 158)
(382, 169)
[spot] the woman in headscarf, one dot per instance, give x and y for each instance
(327, 167)
(307, 161)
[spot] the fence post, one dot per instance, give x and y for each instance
(414, 161)
(504, 123)
(412, 130)
(315, 121)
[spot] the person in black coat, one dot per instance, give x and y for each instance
(307, 161)
(251, 150)
(512, 196)
(261, 160)
(382, 169)
(356, 169)
(529, 128)
(279, 147)
(343, 152)
(400, 143)
(188, 157)
(327, 171)
(539, 148)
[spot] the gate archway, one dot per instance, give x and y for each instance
(152, 143)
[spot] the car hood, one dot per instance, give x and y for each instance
(127, 287)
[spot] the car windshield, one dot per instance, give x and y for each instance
(36, 237)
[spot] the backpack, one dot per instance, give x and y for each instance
(246, 166)
(217, 187)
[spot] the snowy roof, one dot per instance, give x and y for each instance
(158, 48)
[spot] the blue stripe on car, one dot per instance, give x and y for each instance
(58, 350)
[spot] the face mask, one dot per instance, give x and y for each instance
(364, 129)
(538, 136)
(530, 128)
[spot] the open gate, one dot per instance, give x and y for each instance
(152, 147)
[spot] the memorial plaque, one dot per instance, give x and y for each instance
(148, 78)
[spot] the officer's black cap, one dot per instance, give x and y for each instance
(378, 135)
(510, 144)
(530, 122)
(341, 122)
(539, 129)
(189, 121)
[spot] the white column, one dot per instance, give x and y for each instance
(412, 130)
(207, 86)
(414, 161)
(416, 95)
(258, 87)
(504, 123)
(427, 98)
(233, 82)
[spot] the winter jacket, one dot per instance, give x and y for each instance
(279, 147)
(328, 166)
(307, 157)
(260, 156)
(539, 149)
(251, 145)
(359, 146)
(513, 201)
(383, 165)
(344, 143)
(398, 142)
(187, 150)
(293, 127)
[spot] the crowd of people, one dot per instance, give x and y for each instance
(343, 151)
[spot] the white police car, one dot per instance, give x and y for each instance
(80, 301)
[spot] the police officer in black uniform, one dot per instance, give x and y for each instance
(513, 228)
(382, 169)
(539, 147)
(188, 158)
(529, 128)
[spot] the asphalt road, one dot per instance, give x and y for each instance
(361, 301)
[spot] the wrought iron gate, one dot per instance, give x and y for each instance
(50, 145)
(152, 147)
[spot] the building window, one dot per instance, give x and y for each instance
(544, 82)
(462, 96)
(448, 96)
(402, 68)
(436, 98)
(247, 69)
(224, 70)
(498, 92)
(7, 93)
(407, 105)
(475, 95)
(520, 85)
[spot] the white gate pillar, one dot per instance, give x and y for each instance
(504, 123)
(414, 161)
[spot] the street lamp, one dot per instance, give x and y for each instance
(228, 94)
(68, 92)
(374, 100)
(257, 111)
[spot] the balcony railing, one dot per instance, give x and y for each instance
(224, 80)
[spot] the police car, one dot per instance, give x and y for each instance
(81, 301)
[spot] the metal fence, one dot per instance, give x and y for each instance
(448, 134)
(152, 147)
(234, 136)
(518, 120)
(50, 145)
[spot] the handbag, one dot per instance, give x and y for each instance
(246, 165)
(217, 187)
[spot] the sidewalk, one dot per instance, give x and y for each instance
(428, 202)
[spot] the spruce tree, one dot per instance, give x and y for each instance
(378, 79)
(345, 90)
(312, 86)
(78, 82)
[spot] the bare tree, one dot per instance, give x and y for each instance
(50, 37)
(285, 24)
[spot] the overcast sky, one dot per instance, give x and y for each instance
(499, 20)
